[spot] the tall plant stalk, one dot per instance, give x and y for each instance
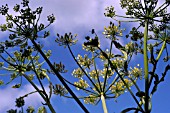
(146, 67)
(104, 103)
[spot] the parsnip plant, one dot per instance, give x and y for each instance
(153, 40)
(101, 74)
(156, 23)
(96, 77)
(25, 61)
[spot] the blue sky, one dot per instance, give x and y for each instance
(77, 17)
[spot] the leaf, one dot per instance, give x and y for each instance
(93, 42)
(117, 45)
(140, 94)
(117, 55)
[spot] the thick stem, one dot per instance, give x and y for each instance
(51, 107)
(146, 68)
(60, 77)
(104, 103)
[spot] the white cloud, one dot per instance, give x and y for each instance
(76, 15)
(73, 15)
(8, 96)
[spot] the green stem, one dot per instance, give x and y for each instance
(160, 52)
(97, 73)
(36, 88)
(105, 77)
(39, 80)
(104, 103)
(135, 84)
(146, 67)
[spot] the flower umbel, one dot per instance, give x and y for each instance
(67, 39)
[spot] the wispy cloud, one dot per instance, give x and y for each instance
(76, 15)
(8, 96)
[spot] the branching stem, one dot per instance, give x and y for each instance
(37, 89)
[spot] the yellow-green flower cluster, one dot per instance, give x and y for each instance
(91, 99)
(130, 47)
(119, 87)
(81, 84)
(66, 39)
(94, 74)
(78, 73)
(112, 31)
(118, 63)
(107, 72)
(85, 62)
(136, 72)
(111, 55)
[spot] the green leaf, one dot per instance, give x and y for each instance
(140, 94)
(93, 42)
(117, 45)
